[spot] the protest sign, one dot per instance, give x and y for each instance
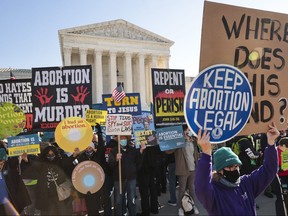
(117, 124)
(144, 129)
(18, 145)
(96, 116)
(148, 137)
(284, 160)
(88, 176)
(18, 92)
(254, 41)
(12, 120)
(59, 93)
(73, 132)
(170, 137)
(168, 87)
(220, 101)
(130, 104)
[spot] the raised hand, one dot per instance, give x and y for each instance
(76, 152)
(42, 96)
(272, 134)
(204, 141)
(81, 94)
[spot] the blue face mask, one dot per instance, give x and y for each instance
(123, 143)
(190, 133)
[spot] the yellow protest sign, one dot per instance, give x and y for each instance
(73, 132)
(96, 116)
(12, 120)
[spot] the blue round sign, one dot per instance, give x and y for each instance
(220, 101)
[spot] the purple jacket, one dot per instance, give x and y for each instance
(219, 199)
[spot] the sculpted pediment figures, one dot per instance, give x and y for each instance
(119, 29)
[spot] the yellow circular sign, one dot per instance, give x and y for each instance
(12, 120)
(88, 176)
(73, 132)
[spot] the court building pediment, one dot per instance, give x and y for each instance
(117, 29)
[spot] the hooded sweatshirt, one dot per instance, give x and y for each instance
(219, 199)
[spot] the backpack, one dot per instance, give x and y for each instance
(236, 146)
(187, 204)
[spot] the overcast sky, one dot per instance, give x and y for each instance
(29, 29)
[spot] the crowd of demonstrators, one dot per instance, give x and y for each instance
(224, 191)
(38, 173)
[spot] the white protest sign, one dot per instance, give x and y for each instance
(118, 124)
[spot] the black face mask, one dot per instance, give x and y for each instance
(231, 176)
(88, 153)
(50, 157)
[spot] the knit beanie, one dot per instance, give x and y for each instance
(225, 157)
(3, 154)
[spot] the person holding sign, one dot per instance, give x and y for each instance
(14, 196)
(185, 164)
(130, 159)
(94, 201)
(224, 192)
(49, 171)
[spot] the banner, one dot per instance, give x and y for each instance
(18, 92)
(170, 137)
(20, 144)
(130, 104)
(168, 96)
(255, 42)
(118, 124)
(59, 93)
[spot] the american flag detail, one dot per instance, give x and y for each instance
(118, 93)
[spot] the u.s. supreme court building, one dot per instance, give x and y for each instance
(119, 52)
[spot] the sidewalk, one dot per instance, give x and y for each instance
(266, 206)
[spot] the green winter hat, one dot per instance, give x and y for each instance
(3, 154)
(225, 157)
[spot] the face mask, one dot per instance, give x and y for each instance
(88, 153)
(50, 157)
(231, 176)
(190, 133)
(123, 142)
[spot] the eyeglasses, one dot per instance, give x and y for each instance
(232, 167)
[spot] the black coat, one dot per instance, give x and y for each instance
(16, 188)
(131, 159)
(43, 193)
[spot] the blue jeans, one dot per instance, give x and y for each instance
(172, 182)
(129, 187)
